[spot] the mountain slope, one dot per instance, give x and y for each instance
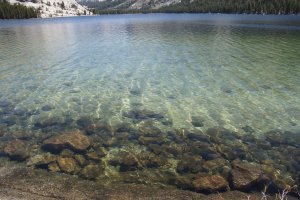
(146, 4)
(197, 6)
(54, 8)
(128, 4)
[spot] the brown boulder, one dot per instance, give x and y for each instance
(67, 164)
(73, 140)
(53, 167)
(214, 183)
(16, 150)
(80, 159)
(245, 174)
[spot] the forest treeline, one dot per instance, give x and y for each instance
(237, 6)
(216, 6)
(16, 11)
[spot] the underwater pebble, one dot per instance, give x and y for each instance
(47, 108)
(135, 91)
(75, 90)
(197, 121)
(226, 89)
(248, 129)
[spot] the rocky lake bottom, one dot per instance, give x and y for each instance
(151, 152)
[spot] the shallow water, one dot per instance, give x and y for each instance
(240, 72)
(231, 70)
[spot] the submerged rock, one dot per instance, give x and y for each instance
(182, 182)
(16, 150)
(53, 167)
(67, 164)
(248, 129)
(81, 160)
(126, 161)
(219, 134)
(150, 140)
(47, 107)
(73, 140)
(209, 184)
(141, 114)
(5, 103)
(96, 155)
(22, 135)
(190, 164)
(275, 137)
(21, 112)
(41, 160)
(3, 130)
(10, 120)
(135, 91)
(197, 121)
(48, 122)
(91, 171)
(129, 163)
(150, 160)
(148, 129)
(226, 89)
(215, 165)
(197, 135)
(85, 122)
(245, 174)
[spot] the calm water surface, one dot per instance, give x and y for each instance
(240, 72)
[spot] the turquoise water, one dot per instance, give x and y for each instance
(240, 72)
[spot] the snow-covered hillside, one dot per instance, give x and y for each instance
(55, 8)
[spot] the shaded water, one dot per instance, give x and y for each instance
(174, 71)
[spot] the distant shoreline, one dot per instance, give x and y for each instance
(298, 14)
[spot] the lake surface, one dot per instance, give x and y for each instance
(169, 72)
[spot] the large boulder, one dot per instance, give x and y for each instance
(16, 150)
(67, 164)
(73, 140)
(245, 174)
(209, 184)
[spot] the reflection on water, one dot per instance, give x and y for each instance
(151, 87)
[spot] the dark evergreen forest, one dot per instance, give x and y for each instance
(237, 6)
(210, 6)
(8, 11)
